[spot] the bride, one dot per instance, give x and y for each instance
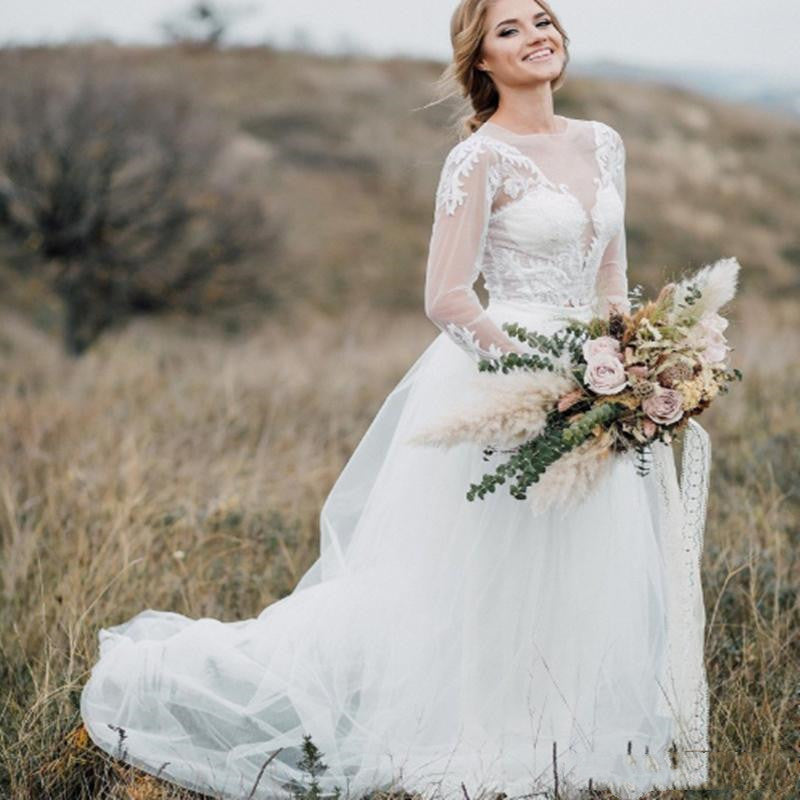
(444, 646)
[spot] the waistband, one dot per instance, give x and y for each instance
(583, 311)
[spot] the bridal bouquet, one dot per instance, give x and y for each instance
(597, 388)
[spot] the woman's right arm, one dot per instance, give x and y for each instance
(461, 221)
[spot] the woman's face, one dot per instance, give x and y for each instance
(515, 31)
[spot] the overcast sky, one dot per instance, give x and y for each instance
(760, 37)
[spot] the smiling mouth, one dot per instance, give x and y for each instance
(540, 55)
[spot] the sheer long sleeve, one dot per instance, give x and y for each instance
(611, 285)
(461, 219)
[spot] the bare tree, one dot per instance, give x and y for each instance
(110, 182)
(202, 24)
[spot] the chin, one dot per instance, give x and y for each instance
(553, 69)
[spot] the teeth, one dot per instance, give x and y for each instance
(547, 50)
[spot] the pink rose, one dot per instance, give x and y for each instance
(707, 337)
(605, 373)
(715, 321)
(665, 406)
(602, 344)
(648, 428)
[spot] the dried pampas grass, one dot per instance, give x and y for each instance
(716, 281)
(507, 409)
(500, 409)
(567, 483)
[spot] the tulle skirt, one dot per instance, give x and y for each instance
(438, 641)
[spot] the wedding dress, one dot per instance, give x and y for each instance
(437, 641)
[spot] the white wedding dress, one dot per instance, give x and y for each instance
(436, 640)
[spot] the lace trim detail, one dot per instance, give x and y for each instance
(695, 469)
(515, 275)
(459, 163)
(685, 690)
(463, 157)
(610, 152)
(514, 184)
(468, 340)
(610, 156)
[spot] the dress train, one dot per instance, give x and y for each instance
(437, 641)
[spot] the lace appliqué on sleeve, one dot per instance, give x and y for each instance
(468, 183)
(467, 339)
(611, 283)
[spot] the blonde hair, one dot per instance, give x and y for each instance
(462, 76)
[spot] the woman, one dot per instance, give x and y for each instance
(437, 642)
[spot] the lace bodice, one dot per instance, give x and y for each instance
(540, 215)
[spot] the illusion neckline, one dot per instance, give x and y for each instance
(569, 126)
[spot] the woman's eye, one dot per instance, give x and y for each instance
(541, 22)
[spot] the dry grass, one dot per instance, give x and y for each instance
(171, 469)
(177, 468)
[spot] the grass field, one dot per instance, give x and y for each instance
(177, 467)
(180, 471)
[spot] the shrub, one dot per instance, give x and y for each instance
(109, 183)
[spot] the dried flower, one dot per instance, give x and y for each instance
(616, 325)
(665, 295)
(643, 389)
(605, 374)
(569, 400)
(648, 428)
(602, 344)
(665, 406)
(674, 374)
(691, 391)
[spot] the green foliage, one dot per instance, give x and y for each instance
(568, 341)
(312, 764)
(581, 429)
(643, 459)
(529, 461)
(563, 351)
(730, 374)
(686, 314)
(636, 297)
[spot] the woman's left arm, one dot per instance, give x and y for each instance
(611, 283)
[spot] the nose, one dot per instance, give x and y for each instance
(537, 35)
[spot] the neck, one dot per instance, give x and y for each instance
(527, 110)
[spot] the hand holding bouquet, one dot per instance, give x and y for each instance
(598, 388)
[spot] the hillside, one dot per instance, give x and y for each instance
(176, 467)
(345, 142)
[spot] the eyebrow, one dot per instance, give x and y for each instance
(506, 21)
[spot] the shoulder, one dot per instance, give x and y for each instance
(482, 148)
(469, 161)
(609, 136)
(465, 154)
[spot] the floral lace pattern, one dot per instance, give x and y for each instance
(550, 264)
(534, 239)
(467, 338)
